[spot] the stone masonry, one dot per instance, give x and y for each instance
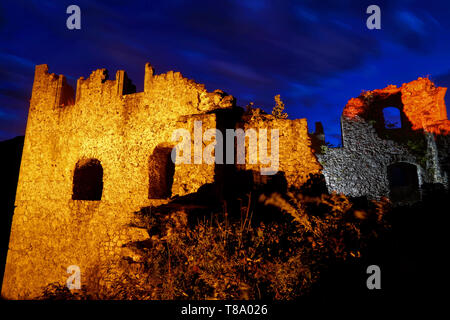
(95, 156)
(370, 149)
(118, 142)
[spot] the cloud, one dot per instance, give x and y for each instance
(16, 76)
(238, 71)
(442, 79)
(412, 22)
(251, 49)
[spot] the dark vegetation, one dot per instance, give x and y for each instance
(11, 153)
(281, 246)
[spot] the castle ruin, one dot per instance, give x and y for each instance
(93, 157)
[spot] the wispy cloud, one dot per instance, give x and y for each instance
(316, 54)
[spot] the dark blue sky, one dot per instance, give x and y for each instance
(316, 54)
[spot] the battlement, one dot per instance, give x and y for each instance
(169, 93)
(51, 89)
(98, 84)
(54, 91)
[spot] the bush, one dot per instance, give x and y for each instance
(278, 110)
(248, 257)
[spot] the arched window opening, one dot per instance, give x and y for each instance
(392, 118)
(88, 180)
(161, 171)
(403, 182)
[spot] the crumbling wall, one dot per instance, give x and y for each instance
(359, 168)
(422, 104)
(296, 158)
(120, 130)
(200, 174)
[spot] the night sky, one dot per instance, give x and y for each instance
(315, 54)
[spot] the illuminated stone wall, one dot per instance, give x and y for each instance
(359, 167)
(296, 158)
(50, 231)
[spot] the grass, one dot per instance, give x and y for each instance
(277, 248)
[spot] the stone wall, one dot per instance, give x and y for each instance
(296, 158)
(360, 166)
(121, 131)
(50, 231)
(49, 236)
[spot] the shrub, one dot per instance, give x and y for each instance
(249, 258)
(280, 257)
(277, 111)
